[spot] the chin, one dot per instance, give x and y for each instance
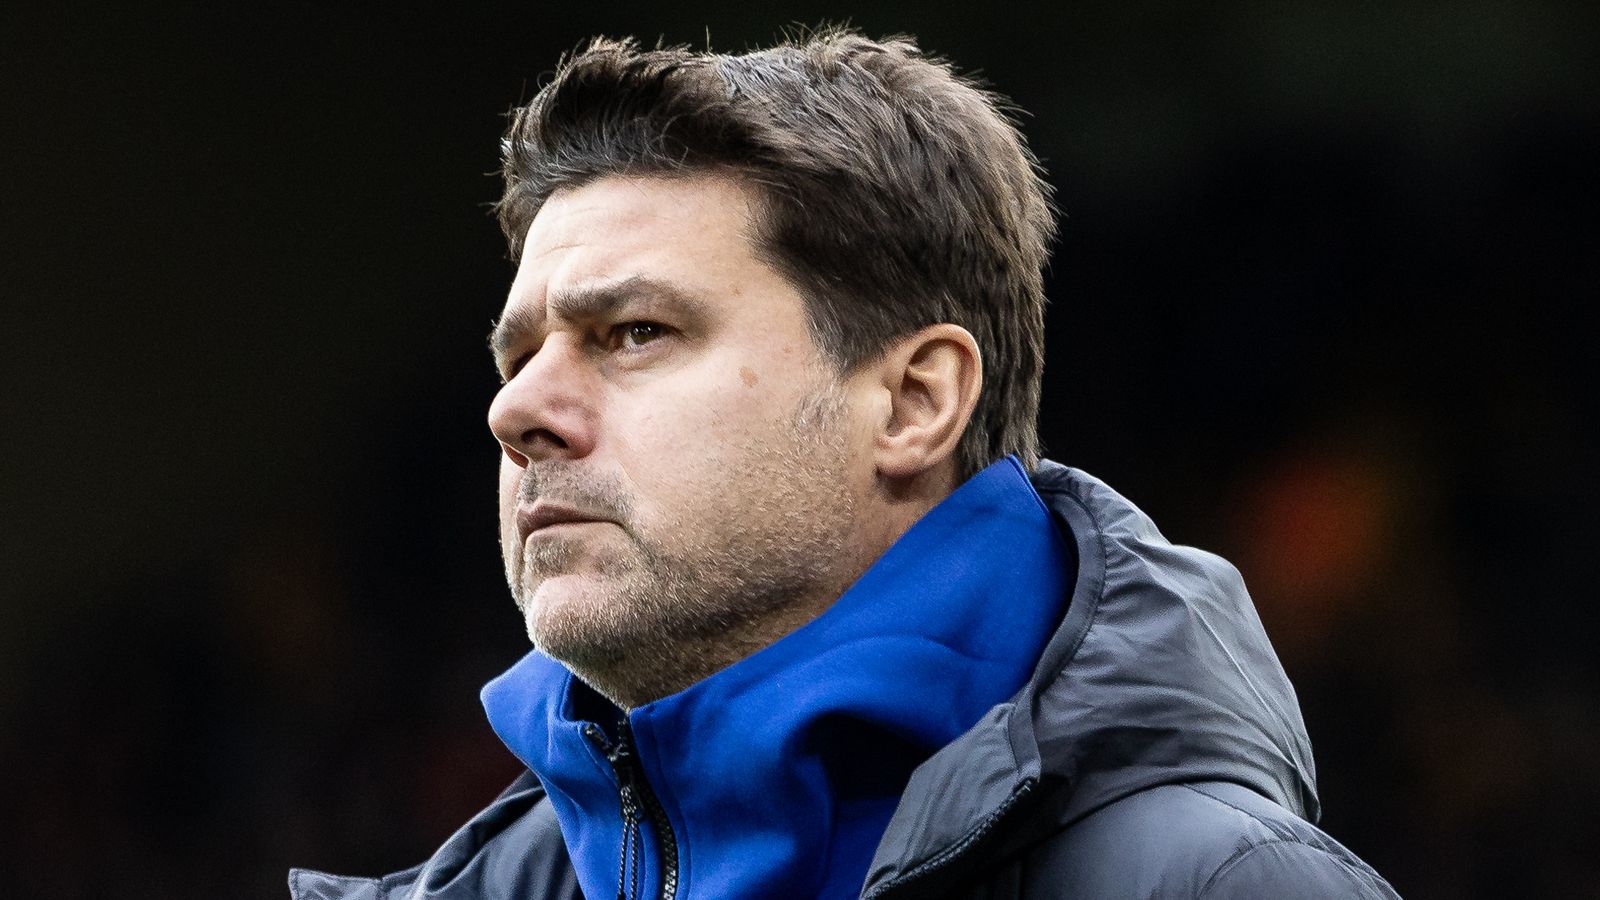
(573, 619)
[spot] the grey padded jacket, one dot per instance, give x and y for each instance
(1156, 752)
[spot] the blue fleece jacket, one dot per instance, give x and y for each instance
(778, 775)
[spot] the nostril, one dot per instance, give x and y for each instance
(517, 459)
(543, 437)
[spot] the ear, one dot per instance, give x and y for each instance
(931, 379)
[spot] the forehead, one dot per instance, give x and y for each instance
(694, 231)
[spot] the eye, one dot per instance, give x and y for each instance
(514, 367)
(632, 335)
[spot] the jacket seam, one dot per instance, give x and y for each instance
(1278, 833)
(1279, 838)
(1239, 855)
(977, 834)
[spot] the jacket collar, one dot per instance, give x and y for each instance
(784, 768)
(1159, 673)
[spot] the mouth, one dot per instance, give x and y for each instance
(544, 516)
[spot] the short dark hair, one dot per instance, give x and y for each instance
(892, 192)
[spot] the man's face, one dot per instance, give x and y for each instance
(679, 460)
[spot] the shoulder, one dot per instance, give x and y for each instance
(512, 849)
(1202, 840)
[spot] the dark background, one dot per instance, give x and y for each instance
(1317, 306)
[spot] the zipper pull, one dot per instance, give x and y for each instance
(597, 738)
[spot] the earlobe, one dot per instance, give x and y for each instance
(933, 379)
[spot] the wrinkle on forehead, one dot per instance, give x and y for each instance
(616, 221)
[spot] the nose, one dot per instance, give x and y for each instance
(547, 409)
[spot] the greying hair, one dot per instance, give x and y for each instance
(891, 191)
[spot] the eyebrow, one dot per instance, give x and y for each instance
(590, 301)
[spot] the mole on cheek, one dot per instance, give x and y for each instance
(748, 376)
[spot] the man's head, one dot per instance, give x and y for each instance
(769, 309)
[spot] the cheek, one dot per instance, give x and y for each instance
(676, 447)
(702, 422)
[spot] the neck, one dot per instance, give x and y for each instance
(634, 679)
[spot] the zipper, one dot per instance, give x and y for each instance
(637, 800)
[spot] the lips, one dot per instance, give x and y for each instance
(544, 514)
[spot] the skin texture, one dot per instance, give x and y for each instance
(719, 483)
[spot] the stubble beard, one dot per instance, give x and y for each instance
(763, 557)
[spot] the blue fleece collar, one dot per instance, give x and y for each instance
(779, 774)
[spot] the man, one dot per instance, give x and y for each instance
(810, 617)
